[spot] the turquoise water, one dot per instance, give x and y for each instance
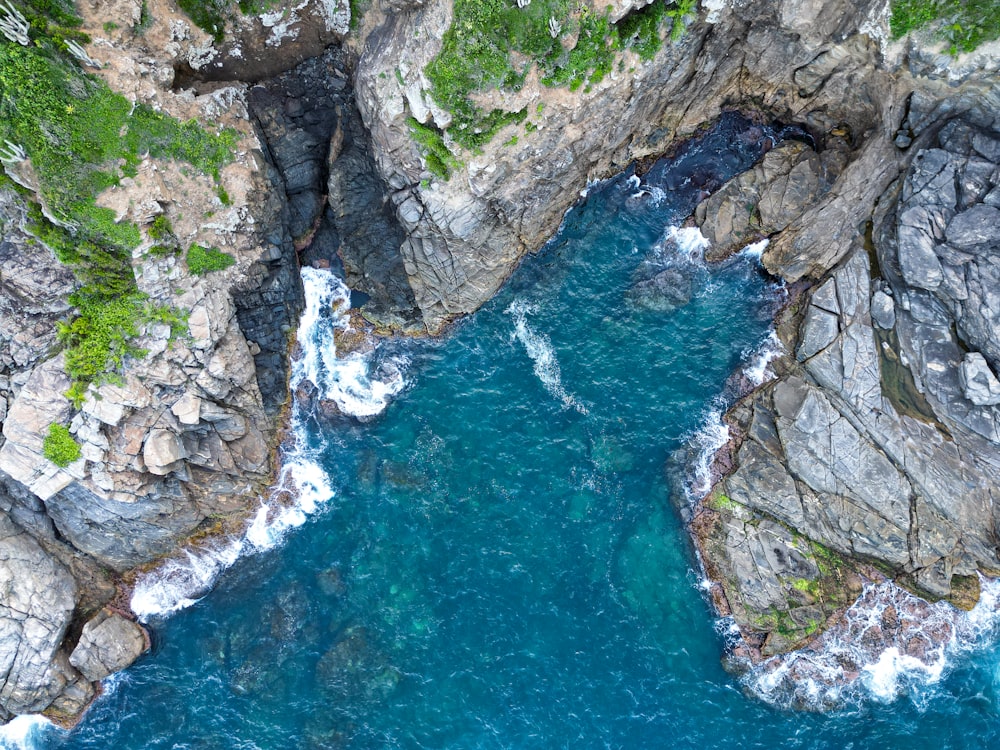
(501, 565)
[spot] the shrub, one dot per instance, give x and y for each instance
(202, 260)
(476, 53)
(59, 447)
(161, 229)
(81, 137)
(964, 24)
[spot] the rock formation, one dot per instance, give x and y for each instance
(878, 445)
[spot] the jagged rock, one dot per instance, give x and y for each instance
(39, 404)
(187, 409)
(108, 644)
(883, 310)
(39, 596)
(975, 228)
(979, 384)
(163, 451)
(763, 200)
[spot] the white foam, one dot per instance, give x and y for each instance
(348, 381)
(871, 655)
(543, 356)
(306, 481)
(303, 487)
(179, 582)
(710, 437)
(755, 250)
(758, 368)
(690, 241)
(25, 732)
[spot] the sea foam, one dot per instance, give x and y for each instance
(888, 644)
(303, 487)
(543, 356)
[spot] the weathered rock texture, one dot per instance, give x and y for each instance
(185, 436)
(878, 445)
(880, 442)
(464, 236)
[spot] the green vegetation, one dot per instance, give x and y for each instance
(60, 447)
(161, 229)
(493, 44)
(202, 260)
(80, 138)
(964, 24)
(808, 586)
(208, 15)
(721, 502)
(440, 160)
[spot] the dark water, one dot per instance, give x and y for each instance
(501, 566)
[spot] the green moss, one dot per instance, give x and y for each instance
(963, 24)
(81, 138)
(59, 447)
(202, 260)
(808, 586)
(721, 502)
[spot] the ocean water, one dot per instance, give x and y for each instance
(488, 555)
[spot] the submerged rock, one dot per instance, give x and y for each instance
(664, 292)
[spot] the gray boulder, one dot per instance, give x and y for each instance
(39, 595)
(109, 643)
(975, 229)
(979, 384)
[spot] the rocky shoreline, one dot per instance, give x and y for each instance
(875, 448)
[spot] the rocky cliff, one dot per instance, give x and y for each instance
(875, 452)
(876, 447)
(180, 438)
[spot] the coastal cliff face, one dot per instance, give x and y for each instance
(180, 440)
(878, 444)
(875, 452)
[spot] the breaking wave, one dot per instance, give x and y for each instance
(706, 442)
(758, 367)
(889, 643)
(303, 487)
(25, 732)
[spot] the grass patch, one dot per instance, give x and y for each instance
(202, 260)
(492, 44)
(964, 24)
(59, 446)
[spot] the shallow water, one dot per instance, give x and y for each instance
(500, 565)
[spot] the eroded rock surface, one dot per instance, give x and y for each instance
(879, 444)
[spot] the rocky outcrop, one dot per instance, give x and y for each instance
(108, 644)
(183, 435)
(465, 235)
(879, 443)
(39, 595)
(338, 208)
